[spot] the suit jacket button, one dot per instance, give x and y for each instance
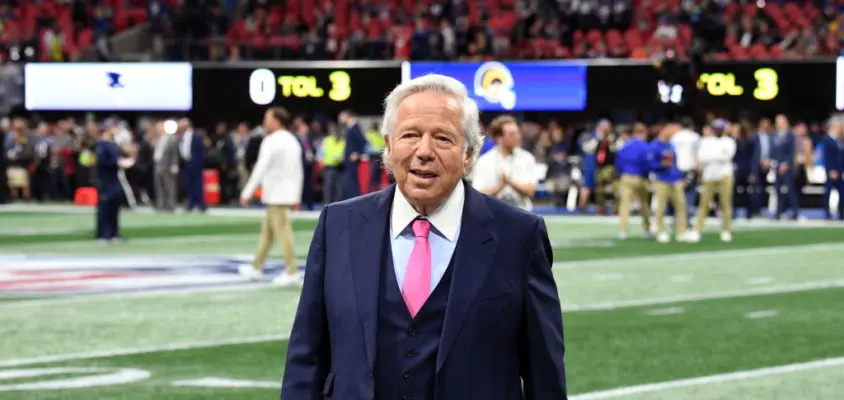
(411, 331)
(405, 375)
(403, 395)
(409, 353)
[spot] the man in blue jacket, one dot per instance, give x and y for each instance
(355, 147)
(833, 160)
(109, 190)
(662, 159)
(783, 162)
(631, 162)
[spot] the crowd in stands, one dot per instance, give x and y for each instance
(60, 30)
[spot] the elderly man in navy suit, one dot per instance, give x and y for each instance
(833, 161)
(428, 290)
(192, 150)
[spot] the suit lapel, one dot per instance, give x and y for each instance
(368, 230)
(472, 261)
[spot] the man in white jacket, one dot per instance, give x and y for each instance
(279, 172)
(715, 155)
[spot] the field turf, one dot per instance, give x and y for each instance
(164, 315)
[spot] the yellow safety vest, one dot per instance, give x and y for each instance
(332, 151)
(376, 141)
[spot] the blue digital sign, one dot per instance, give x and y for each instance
(514, 86)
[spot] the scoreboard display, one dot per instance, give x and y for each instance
(245, 91)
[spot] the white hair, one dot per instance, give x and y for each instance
(470, 123)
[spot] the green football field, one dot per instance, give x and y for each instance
(165, 316)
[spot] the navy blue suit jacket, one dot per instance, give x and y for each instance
(783, 149)
(833, 159)
(197, 154)
(355, 143)
(503, 320)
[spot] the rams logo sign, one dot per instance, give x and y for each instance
(494, 82)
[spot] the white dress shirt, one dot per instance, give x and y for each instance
(445, 229)
(279, 170)
(716, 157)
(685, 144)
(520, 167)
(185, 144)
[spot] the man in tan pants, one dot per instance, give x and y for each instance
(668, 185)
(279, 171)
(632, 163)
(715, 155)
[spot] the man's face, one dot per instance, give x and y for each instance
(781, 123)
(511, 137)
(425, 148)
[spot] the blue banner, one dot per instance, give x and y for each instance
(514, 86)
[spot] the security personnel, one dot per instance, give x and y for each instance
(376, 145)
(333, 147)
(109, 190)
(662, 159)
(631, 161)
(783, 161)
(833, 161)
(355, 148)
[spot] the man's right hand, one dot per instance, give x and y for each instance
(174, 170)
(765, 164)
(834, 175)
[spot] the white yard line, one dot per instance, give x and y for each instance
(696, 255)
(141, 350)
(706, 380)
(798, 287)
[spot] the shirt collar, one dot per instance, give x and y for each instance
(445, 220)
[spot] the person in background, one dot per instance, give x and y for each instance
(165, 158)
(21, 154)
(355, 148)
(746, 169)
(833, 161)
(279, 172)
(4, 181)
(375, 146)
(509, 171)
(303, 133)
(632, 164)
(332, 149)
(587, 169)
(715, 156)
(783, 152)
(685, 142)
(221, 157)
(605, 172)
(40, 179)
(192, 150)
(764, 145)
(662, 159)
(804, 160)
(109, 161)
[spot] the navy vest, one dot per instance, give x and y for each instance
(407, 347)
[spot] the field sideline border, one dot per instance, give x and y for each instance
(313, 215)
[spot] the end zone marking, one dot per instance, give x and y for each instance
(704, 380)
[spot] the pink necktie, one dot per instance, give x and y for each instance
(417, 277)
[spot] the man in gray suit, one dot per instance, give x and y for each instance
(166, 158)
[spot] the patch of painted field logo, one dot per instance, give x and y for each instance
(63, 275)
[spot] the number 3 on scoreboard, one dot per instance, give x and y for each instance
(341, 86)
(767, 85)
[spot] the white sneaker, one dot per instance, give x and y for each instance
(622, 236)
(691, 237)
(663, 238)
(286, 280)
(248, 271)
(726, 237)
